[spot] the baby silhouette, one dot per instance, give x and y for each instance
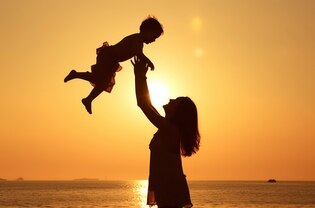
(108, 58)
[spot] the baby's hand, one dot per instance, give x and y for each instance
(151, 65)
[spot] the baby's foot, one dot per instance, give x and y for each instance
(87, 105)
(70, 76)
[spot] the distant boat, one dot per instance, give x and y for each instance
(272, 181)
(20, 179)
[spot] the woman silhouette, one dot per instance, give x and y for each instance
(177, 136)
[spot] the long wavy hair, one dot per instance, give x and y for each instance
(185, 118)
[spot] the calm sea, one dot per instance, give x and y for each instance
(220, 194)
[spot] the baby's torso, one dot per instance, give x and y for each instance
(128, 47)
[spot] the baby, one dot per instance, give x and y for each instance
(108, 57)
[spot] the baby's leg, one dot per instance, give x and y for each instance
(87, 102)
(79, 75)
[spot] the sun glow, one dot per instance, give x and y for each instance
(158, 93)
(196, 24)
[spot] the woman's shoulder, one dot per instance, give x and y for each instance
(167, 126)
(169, 131)
(166, 139)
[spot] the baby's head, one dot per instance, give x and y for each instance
(150, 29)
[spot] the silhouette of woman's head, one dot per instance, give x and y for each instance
(151, 29)
(182, 112)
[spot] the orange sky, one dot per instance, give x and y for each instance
(248, 65)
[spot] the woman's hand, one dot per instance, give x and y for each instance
(140, 67)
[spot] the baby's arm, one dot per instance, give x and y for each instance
(147, 60)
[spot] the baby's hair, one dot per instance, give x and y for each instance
(151, 23)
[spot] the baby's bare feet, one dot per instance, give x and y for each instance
(87, 105)
(70, 76)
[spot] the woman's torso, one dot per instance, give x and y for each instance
(165, 160)
(167, 182)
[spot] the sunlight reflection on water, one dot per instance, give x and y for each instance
(133, 194)
(140, 192)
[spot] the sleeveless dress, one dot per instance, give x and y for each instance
(167, 182)
(104, 71)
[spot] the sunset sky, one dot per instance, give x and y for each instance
(249, 65)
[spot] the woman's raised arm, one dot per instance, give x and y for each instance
(143, 94)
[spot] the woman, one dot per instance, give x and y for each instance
(177, 135)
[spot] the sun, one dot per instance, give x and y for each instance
(158, 93)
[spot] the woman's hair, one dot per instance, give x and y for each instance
(151, 24)
(185, 118)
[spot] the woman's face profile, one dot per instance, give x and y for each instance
(170, 107)
(149, 37)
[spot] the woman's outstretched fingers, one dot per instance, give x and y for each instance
(140, 66)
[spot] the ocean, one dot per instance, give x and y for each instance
(132, 194)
